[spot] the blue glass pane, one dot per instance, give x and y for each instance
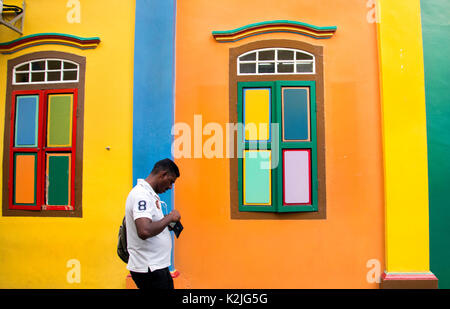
(26, 126)
(296, 114)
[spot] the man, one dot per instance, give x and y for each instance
(148, 238)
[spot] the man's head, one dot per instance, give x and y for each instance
(163, 175)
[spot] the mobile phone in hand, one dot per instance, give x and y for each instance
(176, 227)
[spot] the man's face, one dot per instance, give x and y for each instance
(166, 182)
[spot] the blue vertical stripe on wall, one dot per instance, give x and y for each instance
(153, 92)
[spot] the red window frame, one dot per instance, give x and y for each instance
(41, 149)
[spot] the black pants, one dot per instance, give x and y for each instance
(158, 279)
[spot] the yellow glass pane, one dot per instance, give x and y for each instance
(257, 114)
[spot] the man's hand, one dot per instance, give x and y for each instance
(146, 228)
(175, 216)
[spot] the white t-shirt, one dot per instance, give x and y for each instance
(153, 252)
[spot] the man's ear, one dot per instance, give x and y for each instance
(162, 174)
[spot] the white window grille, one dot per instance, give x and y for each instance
(270, 61)
(45, 71)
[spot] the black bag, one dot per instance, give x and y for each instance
(122, 251)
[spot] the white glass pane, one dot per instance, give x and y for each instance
(266, 67)
(285, 67)
(247, 68)
(304, 67)
(38, 77)
(68, 65)
(70, 75)
(53, 65)
(266, 55)
(38, 65)
(303, 56)
(53, 76)
(25, 67)
(285, 55)
(22, 77)
(248, 57)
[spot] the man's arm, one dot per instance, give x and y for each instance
(146, 228)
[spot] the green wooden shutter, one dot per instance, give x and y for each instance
(263, 190)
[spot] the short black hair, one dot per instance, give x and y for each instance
(166, 165)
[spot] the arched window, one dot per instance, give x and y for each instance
(276, 61)
(44, 135)
(44, 71)
(276, 94)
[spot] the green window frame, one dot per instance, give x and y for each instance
(277, 203)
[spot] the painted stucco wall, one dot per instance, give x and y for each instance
(436, 31)
(404, 137)
(217, 252)
(35, 251)
(153, 89)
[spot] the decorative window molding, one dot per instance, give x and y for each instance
(48, 38)
(43, 139)
(300, 148)
(45, 71)
(274, 26)
(271, 61)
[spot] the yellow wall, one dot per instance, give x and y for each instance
(35, 251)
(404, 136)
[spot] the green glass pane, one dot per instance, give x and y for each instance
(59, 120)
(58, 179)
(257, 178)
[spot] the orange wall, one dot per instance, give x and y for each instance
(216, 252)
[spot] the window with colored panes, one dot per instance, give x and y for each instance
(42, 151)
(277, 146)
